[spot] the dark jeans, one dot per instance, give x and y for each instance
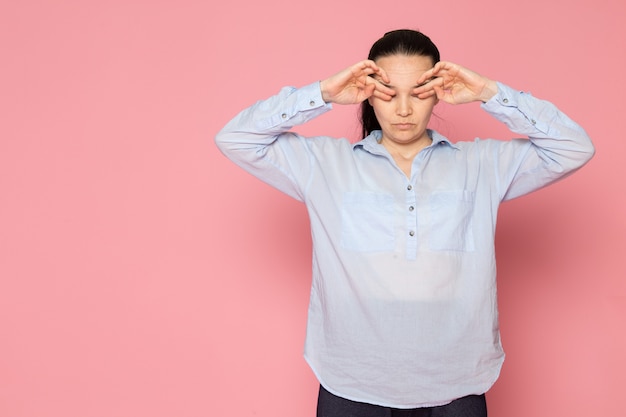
(330, 405)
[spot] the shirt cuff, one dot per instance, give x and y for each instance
(517, 108)
(294, 106)
(506, 96)
(311, 97)
(308, 104)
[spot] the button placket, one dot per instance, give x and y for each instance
(411, 223)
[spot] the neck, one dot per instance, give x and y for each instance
(406, 151)
(404, 154)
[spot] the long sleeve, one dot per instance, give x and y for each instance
(558, 146)
(259, 139)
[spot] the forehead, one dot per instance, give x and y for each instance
(404, 69)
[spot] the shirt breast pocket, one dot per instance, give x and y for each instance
(367, 222)
(451, 226)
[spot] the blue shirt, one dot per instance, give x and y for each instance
(403, 306)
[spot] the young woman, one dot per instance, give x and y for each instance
(403, 316)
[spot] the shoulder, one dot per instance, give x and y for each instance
(491, 150)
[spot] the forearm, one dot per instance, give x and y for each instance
(489, 91)
(261, 124)
(259, 139)
(561, 141)
(555, 145)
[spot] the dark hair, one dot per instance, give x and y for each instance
(402, 42)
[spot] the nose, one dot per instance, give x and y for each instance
(403, 106)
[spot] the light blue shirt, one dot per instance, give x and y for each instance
(403, 306)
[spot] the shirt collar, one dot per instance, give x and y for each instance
(371, 143)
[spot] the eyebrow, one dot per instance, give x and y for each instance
(415, 86)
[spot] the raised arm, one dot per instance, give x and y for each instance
(556, 146)
(259, 139)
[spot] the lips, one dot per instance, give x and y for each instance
(403, 126)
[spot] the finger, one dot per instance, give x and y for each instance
(425, 94)
(368, 90)
(443, 94)
(377, 73)
(366, 67)
(383, 89)
(442, 65)
(383, 75)
(382, 95)
(380, 87)
(438, 70)
(427, 85)
(425, 76)
(369, 67)
(433, 73)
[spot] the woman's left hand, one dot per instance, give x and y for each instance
(455, 84)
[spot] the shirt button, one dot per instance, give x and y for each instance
(411, 233)
(506, 100)
(533, 121)
(312, 103)
(411, 208)
(410, 187)
(284, 115)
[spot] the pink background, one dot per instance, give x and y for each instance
(142, 274)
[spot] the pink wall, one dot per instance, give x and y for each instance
(142, 274)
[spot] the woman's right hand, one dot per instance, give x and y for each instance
(355, 84)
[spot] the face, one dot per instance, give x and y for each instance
(405, 117)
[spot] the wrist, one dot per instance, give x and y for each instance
(490, 90)
(325, 95)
